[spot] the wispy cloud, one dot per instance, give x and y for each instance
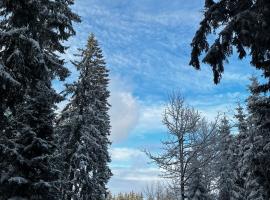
(131, 168)
(124, 112)
(170, 18)
(146, 45)
(125, 154)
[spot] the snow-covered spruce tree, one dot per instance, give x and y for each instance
(244, 24)
(84, 127)
(196, 186)
(241, 120)
(225, 180)
(238, 191)
(254, 189)
(31, 32)
(250, 188)
(238, 148)
(259, 132)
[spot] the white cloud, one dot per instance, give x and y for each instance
(131, 170)
(171, 18)
(219, 104)
(125, 154)
(133, 179)
(150, 119)
(211, 112)
(139, 175)
(124, 110)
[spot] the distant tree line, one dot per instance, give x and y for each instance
(126, 196)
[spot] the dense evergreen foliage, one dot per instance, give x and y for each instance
(84, 128)
(243, 24)
(225, 164)
(259, 129)
(237, 153)
(31, 33)
(196, 187)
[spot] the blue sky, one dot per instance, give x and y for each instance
(146, 44)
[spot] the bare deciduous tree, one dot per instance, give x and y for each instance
(189, 136)
(158, 191)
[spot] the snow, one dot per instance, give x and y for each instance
(18, 180)
(7, 77)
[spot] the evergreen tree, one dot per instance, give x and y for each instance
(239, 144)
(225, 180)
(84, 128)
(259, 132)
(196, 187)
(237, 182)
(244, 24)
(254, 189)
(31, 33)
(248, 184)
(241, 120)
(109, 196)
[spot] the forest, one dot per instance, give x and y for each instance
(47, 153)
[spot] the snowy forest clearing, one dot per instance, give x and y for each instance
(50, 154)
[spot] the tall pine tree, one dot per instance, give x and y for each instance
(31, 33)
(84, 128)
(259, 133)
(240, 147)
(225, 180)
(196, 187)
(249, 186)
